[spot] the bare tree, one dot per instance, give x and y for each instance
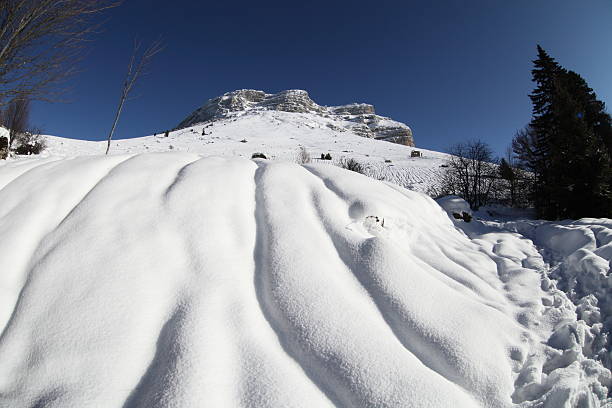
(40, 40)
(471, 172)
(16, 117)
(137, 66)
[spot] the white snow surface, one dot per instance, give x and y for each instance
(177, 280)
(278, 135)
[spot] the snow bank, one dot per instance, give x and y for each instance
(169, 280)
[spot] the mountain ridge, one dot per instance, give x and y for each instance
(359, 118)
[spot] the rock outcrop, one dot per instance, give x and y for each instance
(359, 118)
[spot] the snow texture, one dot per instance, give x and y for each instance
(580, 253)
(173, 280)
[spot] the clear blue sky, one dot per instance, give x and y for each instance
(452, 70)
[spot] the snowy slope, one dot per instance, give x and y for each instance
(172, 280)
(359, 118)
(279, 136)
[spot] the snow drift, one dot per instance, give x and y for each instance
(169, 280)
(580, 253)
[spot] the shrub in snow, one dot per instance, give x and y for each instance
(258, 156)
(29, 143)
(3, 147)
(328, 156)
(243, 141)
(303, 156)
(167, 133)
(352, 165)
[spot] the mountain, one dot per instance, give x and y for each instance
(359, 118)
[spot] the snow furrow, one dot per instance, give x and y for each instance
(171, 280)
(266, 301)
(37, 221)
(351, 252)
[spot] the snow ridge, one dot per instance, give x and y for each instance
(161, 280)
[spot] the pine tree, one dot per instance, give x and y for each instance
(543, 128)
(567, 145)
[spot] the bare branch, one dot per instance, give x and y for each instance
(40, 42)
(137, 66)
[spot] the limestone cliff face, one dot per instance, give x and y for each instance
(359, 118)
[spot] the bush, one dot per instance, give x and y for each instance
(258, 156)
(29, 143)
(352, 165)
(4, 148)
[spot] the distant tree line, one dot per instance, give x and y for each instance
(560, 163)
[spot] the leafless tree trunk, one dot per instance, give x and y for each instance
(40, 41)
(15, 118)
(136, 67)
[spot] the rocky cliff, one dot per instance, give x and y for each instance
(359, 118)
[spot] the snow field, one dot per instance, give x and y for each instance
(173, 280)
(278, 135)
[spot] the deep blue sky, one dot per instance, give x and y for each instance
(452, 70)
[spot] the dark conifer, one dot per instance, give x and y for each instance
(567, 145)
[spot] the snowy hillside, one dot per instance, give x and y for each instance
(358, 118)
(278, 135)
(173, 280)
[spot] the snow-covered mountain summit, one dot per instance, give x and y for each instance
(358, 118)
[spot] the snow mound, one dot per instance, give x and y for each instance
(454, 205)
(172, 280)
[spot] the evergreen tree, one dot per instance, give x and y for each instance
(567, 145)
(507, 173)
